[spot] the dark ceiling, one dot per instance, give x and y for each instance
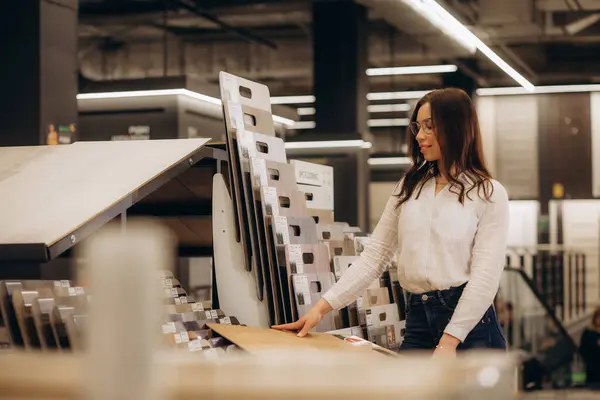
(548, 41)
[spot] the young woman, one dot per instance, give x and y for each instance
(448, 219)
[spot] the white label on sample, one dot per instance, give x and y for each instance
(261, 177)
(214, 314)
(65, 283)
(177, 301)
(184, 337)
(369, 318)
(302, 288)
(195, 345)
(184, 300)
(168, 283)
(79, 291)
(271, 201)
(174, 292)
(295, 255)
(359, 303)
(246, 143)
(168, 292)
(72, 292)
(56, 284)
(225, 321)
(231, 88)
(177, 338)
(282, 231)
(236, 116)
(197, 307)
(208, 315)
(169, 327)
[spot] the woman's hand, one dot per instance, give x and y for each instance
(309, 320)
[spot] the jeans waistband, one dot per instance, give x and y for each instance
(436, 296)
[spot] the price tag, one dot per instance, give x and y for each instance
(282, 231)
(168, 283)
(177, 301)
(177, 338)
(208, 314)
(225, 321)
(169, 327)
(183, 300)
(369, 318)
(184, 337)
(72, 292)
(65, 283)
(295, 258)
(269, 195)
(195, 345)
(79, 291)
(236, 116)
(302, 289)
(259, 168)
(214, 314)
(197, 307)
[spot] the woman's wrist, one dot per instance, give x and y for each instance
(448, 341)
(323, 306)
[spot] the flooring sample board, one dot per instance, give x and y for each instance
(256, 340)
(40, 209)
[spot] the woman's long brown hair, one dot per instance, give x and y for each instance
(456, 127)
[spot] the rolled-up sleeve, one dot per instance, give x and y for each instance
(487, 263)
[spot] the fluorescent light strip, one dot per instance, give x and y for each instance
(417, 94)
(506, 91)
(444, 21)
(390, 161)
(169, 92)
(329, 144)
(306, 111)
(304, 99)
(384, 108)
(388, 122)
(423, 69)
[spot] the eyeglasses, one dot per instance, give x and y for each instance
(426, 126)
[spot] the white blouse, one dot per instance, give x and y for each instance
(441, 244)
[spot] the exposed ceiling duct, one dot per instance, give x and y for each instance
(568, 5)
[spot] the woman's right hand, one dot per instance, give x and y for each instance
(309, 320)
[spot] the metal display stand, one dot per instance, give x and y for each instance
(54, 197)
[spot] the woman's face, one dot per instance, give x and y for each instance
(426, 138)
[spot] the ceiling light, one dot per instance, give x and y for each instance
(383, 108)
(306, 111)
(390, 161)
(417, 94)
(443, 20)
(329, 144)
(388, 122)
(306, 99)
(423, 69)
(168, 92)
(506, 91)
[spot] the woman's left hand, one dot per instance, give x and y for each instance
(447, 346)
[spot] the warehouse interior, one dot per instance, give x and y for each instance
(244, 151)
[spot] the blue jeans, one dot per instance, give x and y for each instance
(427, 315)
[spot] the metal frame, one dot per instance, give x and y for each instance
(24, 260)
